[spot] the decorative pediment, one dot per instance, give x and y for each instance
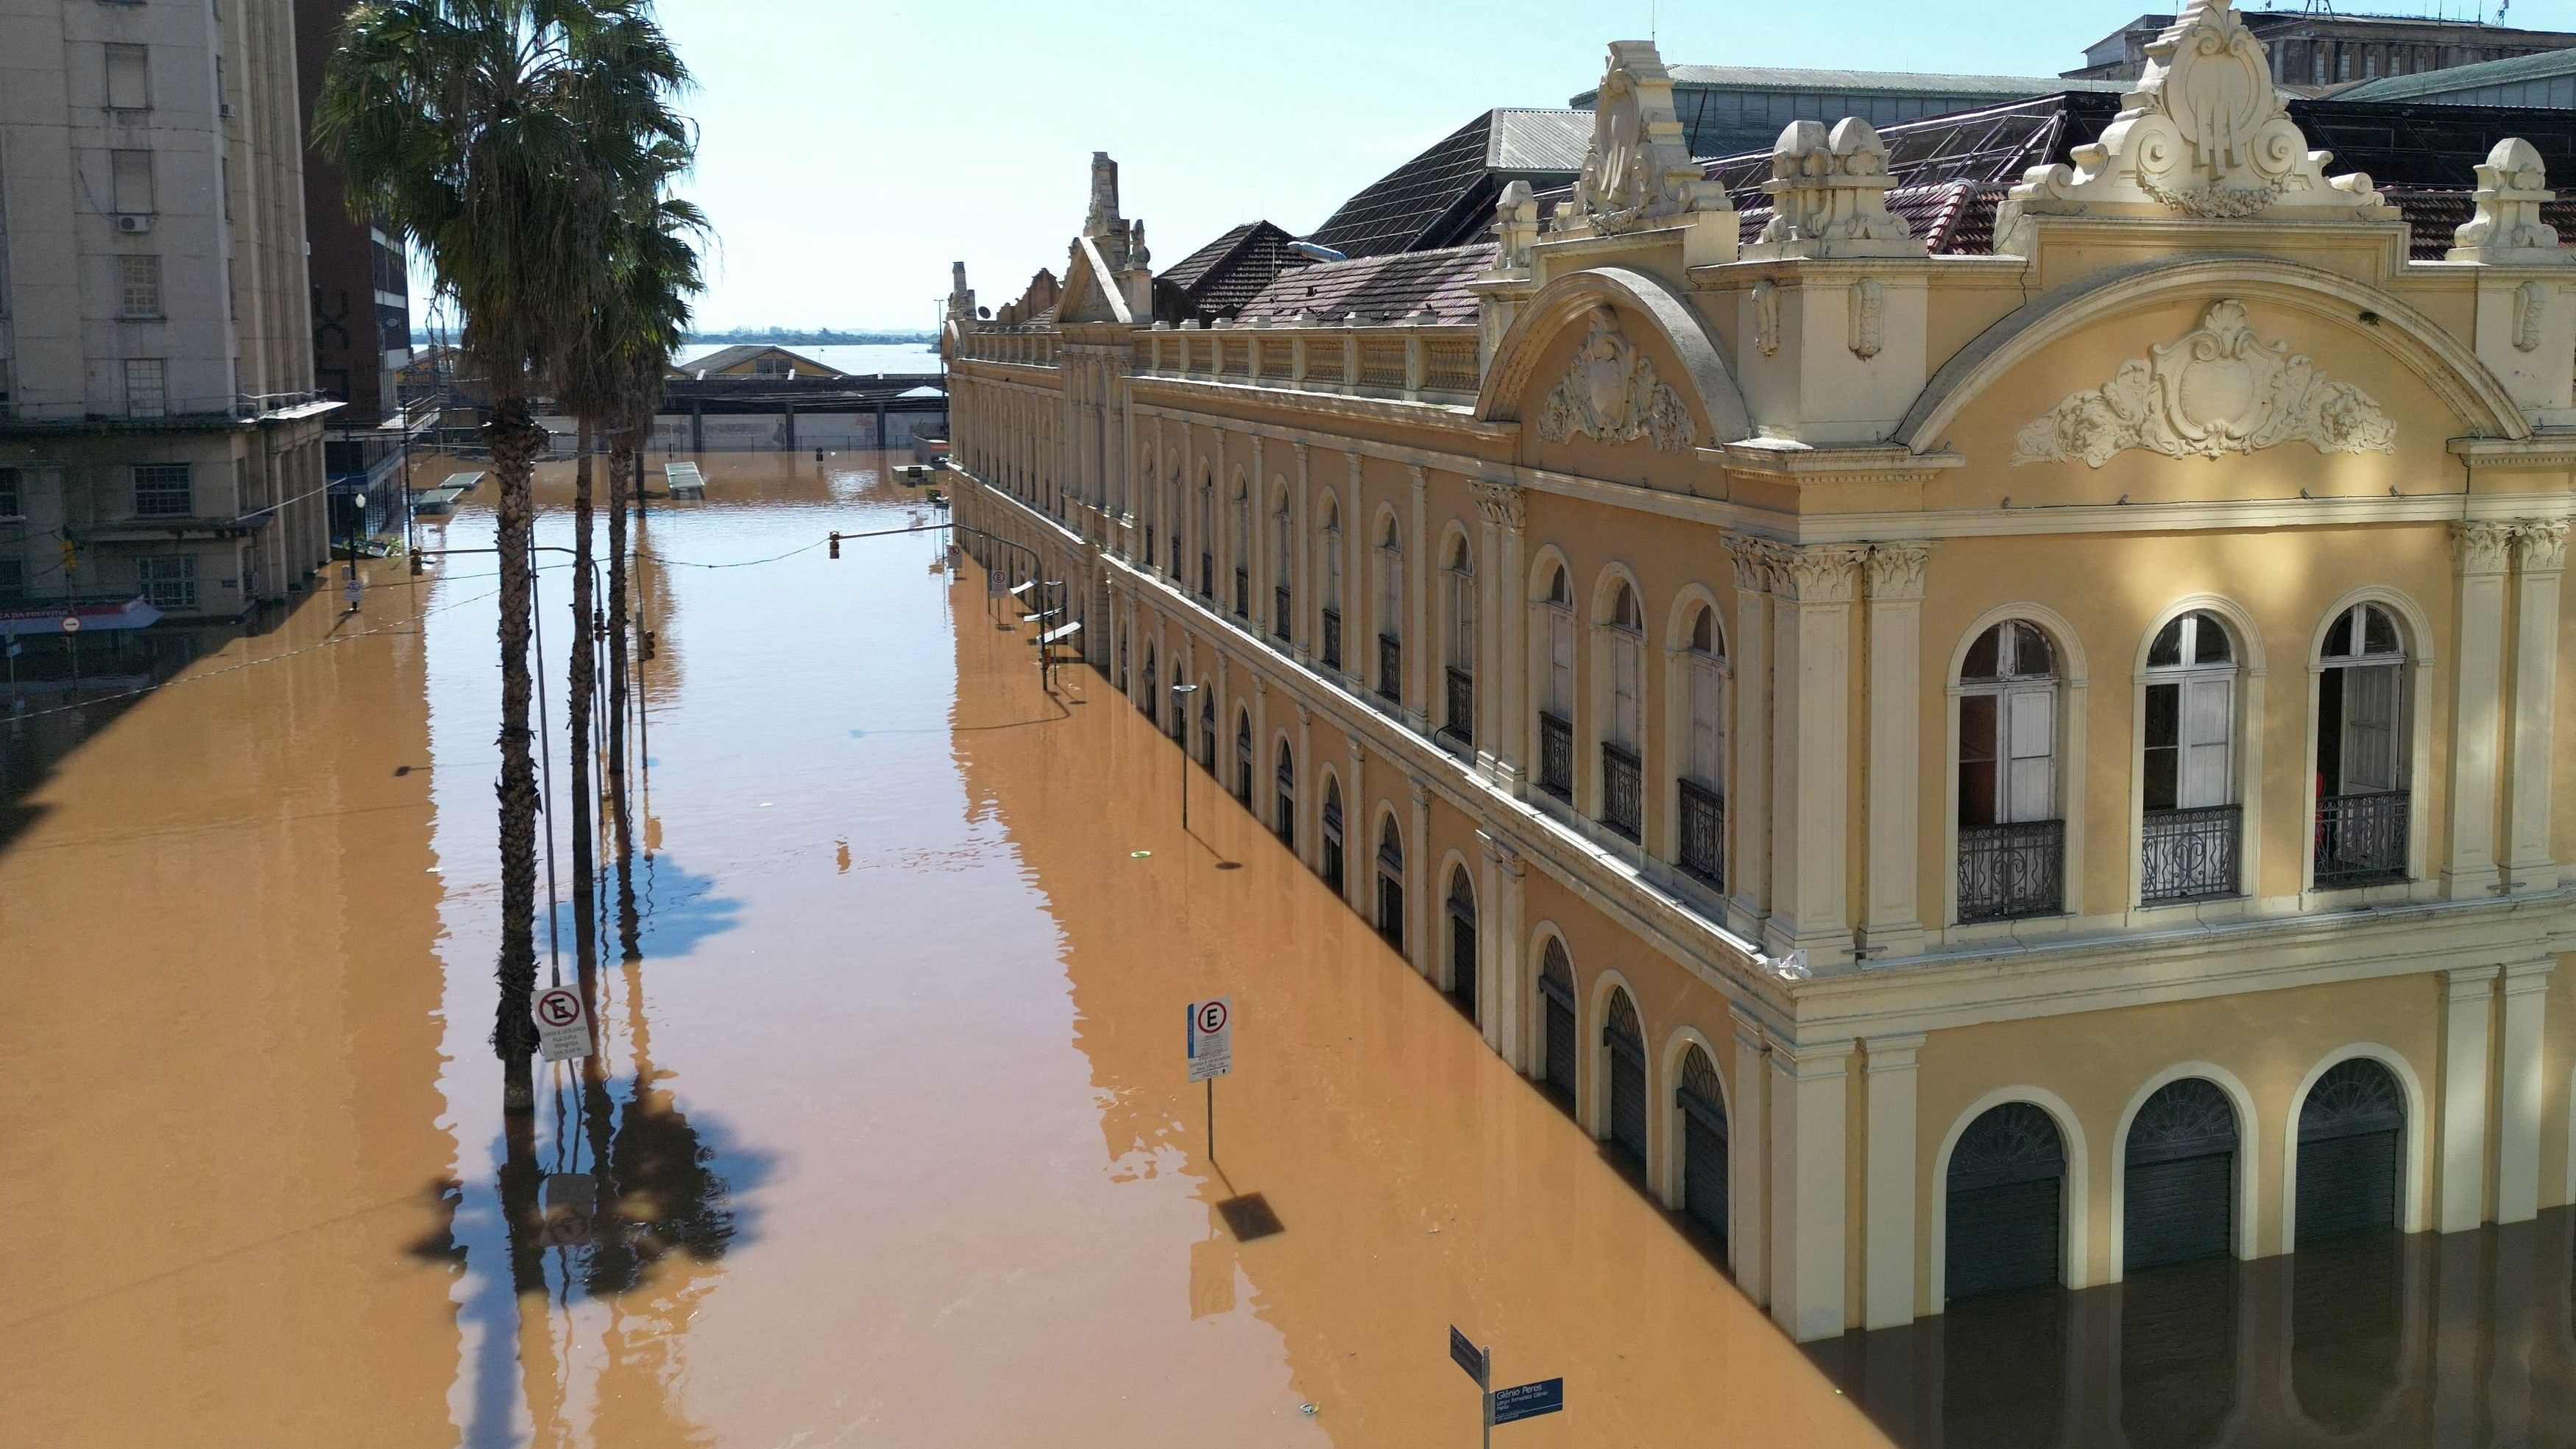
(2217, 390)
(1610, 393)
(1638, 171)
(2203, 135)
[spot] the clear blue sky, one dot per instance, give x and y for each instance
(853, 148)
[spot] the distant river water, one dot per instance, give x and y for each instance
(858, 357)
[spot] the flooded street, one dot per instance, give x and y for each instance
(893, 1146)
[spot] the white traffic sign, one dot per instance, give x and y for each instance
(1211, 1038)
(563, 1027)
(71, 623)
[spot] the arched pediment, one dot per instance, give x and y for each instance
(1706, 390)
(2479, 404)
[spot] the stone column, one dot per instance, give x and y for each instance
(2539, 553)
(1302, 602)
(2460, 1185)
(1893, 920)
(2476, 710)
(1888, 1293)
(1502, 663)
(1748, 1200)
(1417, 606)
(2520, 1086)
(1500, 986)
(1809, 1234)
(1359, 837)
(1418, 865)
(1748, 775)
(1810, 779)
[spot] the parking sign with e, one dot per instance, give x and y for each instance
(1211, 1041)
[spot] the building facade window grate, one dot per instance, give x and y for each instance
(161, 490)
(168, 581)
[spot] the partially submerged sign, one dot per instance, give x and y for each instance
(1211, 1042)
(563, 1026)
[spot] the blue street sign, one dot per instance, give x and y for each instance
(1528, 1401)
(1467, 1356)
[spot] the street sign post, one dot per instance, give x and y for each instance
(563, 1026)
(1502, 1406)
(1468, 1356)
(1211, 1052)
(1528, 1401)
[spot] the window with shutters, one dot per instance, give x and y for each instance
(1283, 556)
(1458, 644)
(1556, 1005)
(2011, 837)
(1328, 588)
(2363, 800)
(1390, 612)
(1390, 884)
(1700, 787)
(1555, 688)
(2193, 823)
(1462, 942)
(1623, 1043)
(129, 78)
(1700, 1101)
(1623, 660)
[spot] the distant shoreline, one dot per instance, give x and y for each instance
(824, 337)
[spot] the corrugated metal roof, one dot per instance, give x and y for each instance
(2543, 66)
(1381, 288)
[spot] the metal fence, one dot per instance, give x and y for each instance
(1390, 668)
(1556, 756)
(1332, 638)
(1460, 724)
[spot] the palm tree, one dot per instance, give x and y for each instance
(494, 136)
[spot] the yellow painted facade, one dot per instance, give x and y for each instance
(1682, 557)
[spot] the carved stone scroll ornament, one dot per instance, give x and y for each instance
(1638, 171)
(2217, 390)
(1500, 501)
(1610, 392)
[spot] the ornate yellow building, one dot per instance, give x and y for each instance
(1976, 764)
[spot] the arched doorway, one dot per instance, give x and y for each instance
(1331, 858)
(1243, 758)
(1702, 1104)
(2006, 1188)
(1390, 885)
(1623, 1050)
(2180, 1195)
(1207, 728)
(1153, 695)
(1462, 943)
(2349, 1130)
(1283, 808)
(1556, 1004)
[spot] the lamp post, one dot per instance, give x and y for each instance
(1181, 705)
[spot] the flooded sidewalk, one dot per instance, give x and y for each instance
(891, 1144)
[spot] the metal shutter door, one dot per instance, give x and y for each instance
(1704, 1172)
(1560, 1046)
(2178, 1210)
(1462, 960)
(2347, 1184)
(1627, 1098)
(2003, 1238)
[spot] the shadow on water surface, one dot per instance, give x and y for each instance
(2462, 1341)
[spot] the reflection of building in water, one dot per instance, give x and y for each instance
(2013, 712)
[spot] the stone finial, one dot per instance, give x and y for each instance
(1638, 171)
(1828, 193)
(1137, 256)
(2513, 183)
(2204, 135)
(1515, 225)
(1104, 196)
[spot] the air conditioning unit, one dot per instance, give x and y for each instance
(133, 222)
(226, 109)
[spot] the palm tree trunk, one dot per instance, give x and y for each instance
(514, 439)
(620, 460)
(579, 701)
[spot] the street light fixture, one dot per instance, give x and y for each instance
(1180, 709)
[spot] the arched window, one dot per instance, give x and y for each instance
(1330, 858)
(2180, 1193)
(2012, 843)
(1207, 726)
(1701, 1103)
(2350, 1130)
(1458, 643)
(1241, 507)
(1623, 1051)
(1700, 789)
(1390, 613)
(2189, 841)
(2006, 1188)
(1122, 661)
(1283, 568)
(1329, 590)
(1172, 510)
(1153, 695)
(1243, 757)
(1147, 491)
(1556, 1003)
(1390, 884)
(1462, 942)
(1623, 654)
(2362, 727)
(1283, 812)
(1207, 536)
(1556, 688)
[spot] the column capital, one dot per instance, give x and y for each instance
(2521, 978)
(2468, 983)
(1419, 476)
(1895, 1052)
(2540, 545)
(2482, 545)
(1896, 570)
(1823, 573)
(1503, 502)
(1812, 1061)
(1753, 559)
(1300, 449)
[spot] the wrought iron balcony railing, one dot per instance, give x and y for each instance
(2190, 855)
(1703, 820)
(1332, 638)
(2361, 839)
(1390, 668)
(1556, 756)
(1621, 807)
(1460, 722)
(2012, 870)
(1280, 617)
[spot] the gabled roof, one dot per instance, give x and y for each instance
(2515, 70)
(725, 358)
(1217, 279)
(1381, 288)
(1445, 196)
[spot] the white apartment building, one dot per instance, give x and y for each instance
(162, 439)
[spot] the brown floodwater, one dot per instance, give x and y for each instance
(892, 1145)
